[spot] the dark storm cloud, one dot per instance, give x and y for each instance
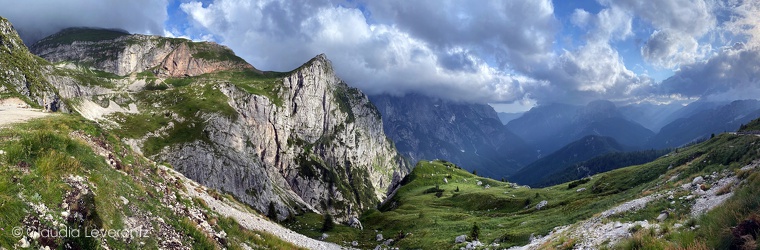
(517, 33)
(37, 19)
(734, 71)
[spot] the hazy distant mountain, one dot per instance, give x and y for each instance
(469, 135)
(543, 122)
(705, 122)
(577, 151)
(550, 127)
(505, 117)
(652, 116)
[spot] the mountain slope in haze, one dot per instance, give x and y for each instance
(586, 148)
(706, 122)
(505, 117)
(282, 142)
(552, 126)
(651, 116)
(469, 135)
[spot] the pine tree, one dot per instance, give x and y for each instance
(272, 211)
(328, 224)
(475, 232)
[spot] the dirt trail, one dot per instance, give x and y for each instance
(15, 110)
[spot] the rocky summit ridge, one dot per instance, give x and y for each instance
(282, 142)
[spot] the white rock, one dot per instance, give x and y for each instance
(580, 190)
(541, 204)
(379, 237)
(388, 242)
(663, 216)
(355, 223)
(124, 200)
(23, 243)
(697, 180)
(34, 235)
(460, 239)
(473, 245)
(354, 243)
(445, 180)
(480, 183)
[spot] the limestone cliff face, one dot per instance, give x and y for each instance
(23, 74)
(322, 148)
(124, 54)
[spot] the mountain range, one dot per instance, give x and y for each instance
(553, 126)
(470, 135)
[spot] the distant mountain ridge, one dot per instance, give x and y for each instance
(704, 122)
(505, 117)
(553, 126)
(469, 135)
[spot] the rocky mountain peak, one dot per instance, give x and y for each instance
(597, 110)
(10, 39)
(123, 54)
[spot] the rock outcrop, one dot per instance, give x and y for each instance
(322, 148)
(123, 54)
(22, 74)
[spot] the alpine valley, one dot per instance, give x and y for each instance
(179, 144)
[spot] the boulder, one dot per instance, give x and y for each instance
(541, 204)
(324, 236)
(388, 242)
(23, 243)
(480, 183)
(697, 180)
(460, 239)
(663, 216)
(445, 181)
(379, 237)
(355, 223)
(354, 243)
(473, 245)
(580, 190)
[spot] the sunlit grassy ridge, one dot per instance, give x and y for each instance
(418, 219)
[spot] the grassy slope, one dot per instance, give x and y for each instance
(509, 214)
(39, 154)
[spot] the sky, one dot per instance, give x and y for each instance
(512, 54)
